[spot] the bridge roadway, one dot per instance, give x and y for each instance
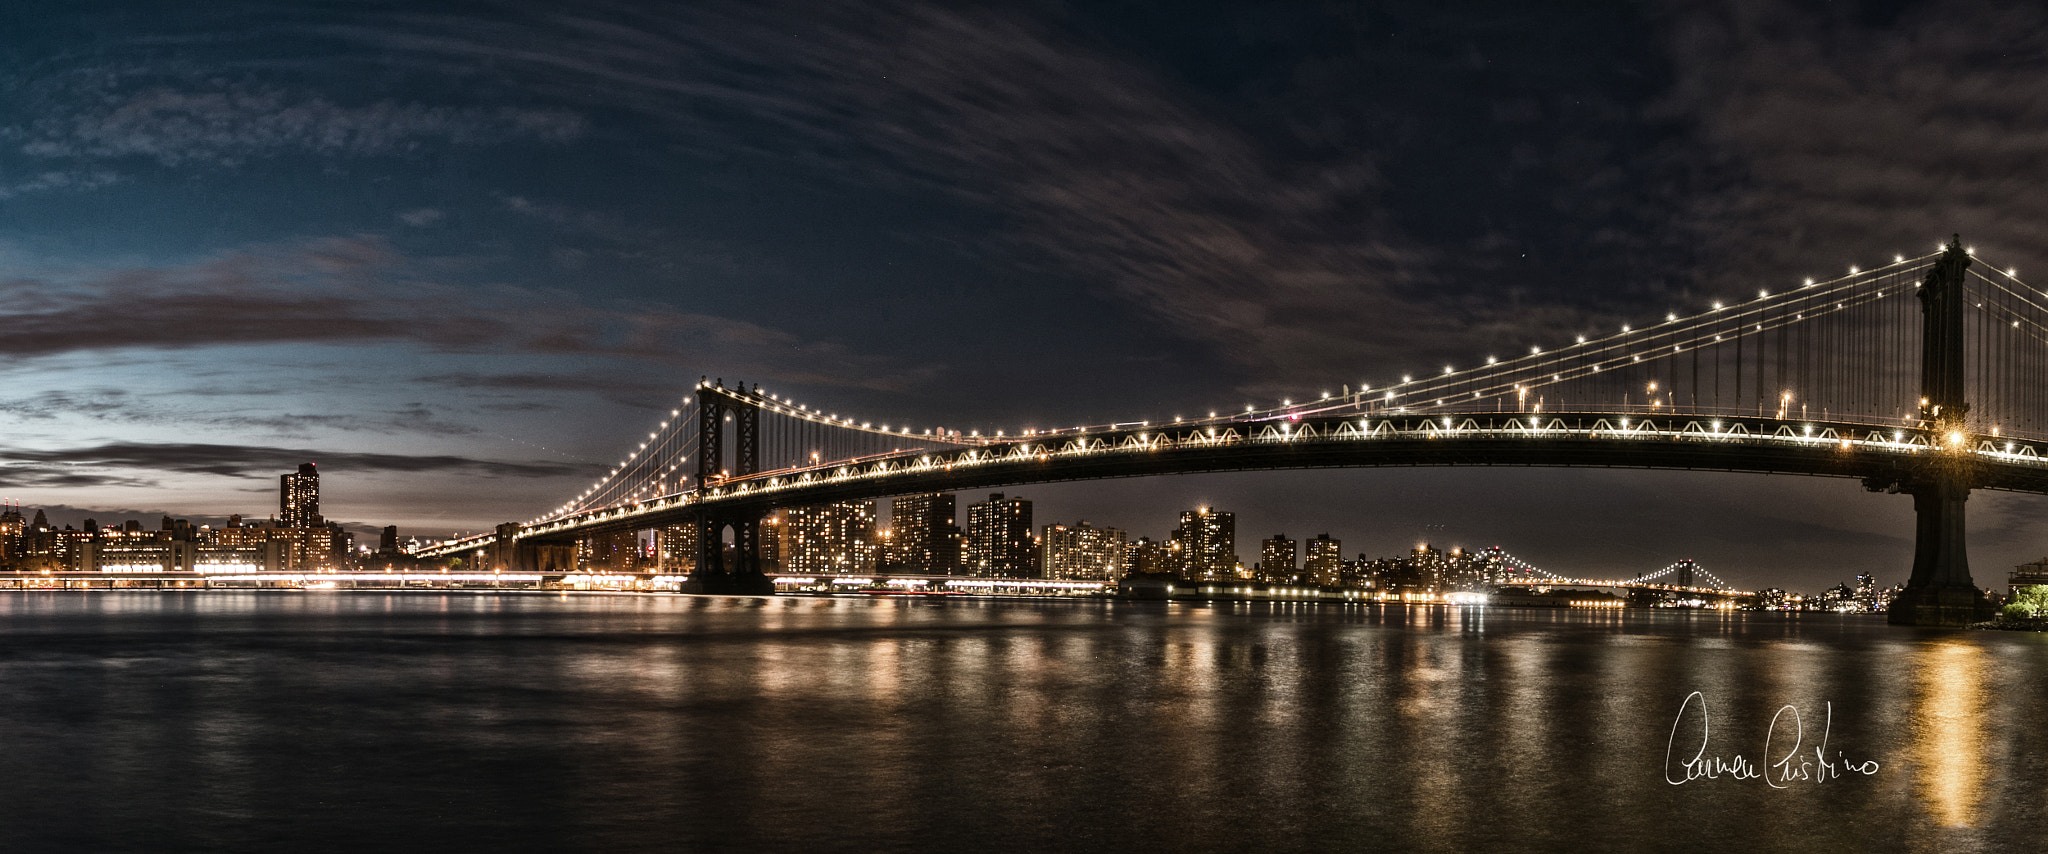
(1878, 454)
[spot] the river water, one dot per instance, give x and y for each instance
(407, 721)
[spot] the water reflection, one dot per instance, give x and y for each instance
(1949, 727)
(668, 723)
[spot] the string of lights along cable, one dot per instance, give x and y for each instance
(1835, 360)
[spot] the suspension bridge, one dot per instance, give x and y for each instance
(1923, 376)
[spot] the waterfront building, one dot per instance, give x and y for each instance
(829, 538)
(925, 538)
(12, 526)
(1493, 564)
(675, 547)
(1325, 562)
(2027, 575)
(1083, 553)
(1208, 543)
(321, 548)
(1277, 556)
(999, 541)
(618, 551)
(1146, 556)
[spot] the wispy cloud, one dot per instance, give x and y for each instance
(96, 464)
(1107, 169)
(52, 181)
(230, 124)
(422, 217)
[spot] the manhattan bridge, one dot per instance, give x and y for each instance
(1924, 376)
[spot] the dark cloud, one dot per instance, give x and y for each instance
(250, 461)
(1846, 142)
(361, 289)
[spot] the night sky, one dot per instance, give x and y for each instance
(463, 255)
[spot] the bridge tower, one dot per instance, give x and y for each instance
(1940, 591)
(716, 405)
(1685, 572)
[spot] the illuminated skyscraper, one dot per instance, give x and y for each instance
(926, 539)
(1208, 539)
(675, 547)
(829, 538)
(12, 527)
(1146, 556)
(999, 541)
(1276, 558)
(298, 498)
(1083, 553)
(1325, 561)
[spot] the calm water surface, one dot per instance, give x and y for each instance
(367, 722)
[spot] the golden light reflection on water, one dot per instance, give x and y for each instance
(1948, 731)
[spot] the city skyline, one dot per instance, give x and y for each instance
(462, 256)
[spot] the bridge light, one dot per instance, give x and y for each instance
(1447, 369)
(1762, 294)
(1670, 317)
(1582, 339)
(1405, 379)
(1624, 327)
(1717, 306)
(1490, 360)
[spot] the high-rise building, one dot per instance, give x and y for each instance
(12, 526)
(387, 541)
(1147, 556)
(829, 538)
(1276, 559)
(926, 539)
(1208, 539)
(675, 548)
(999, 541)
(1325, 566)
(298, 498)
(617, 551)
(1083, 553)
